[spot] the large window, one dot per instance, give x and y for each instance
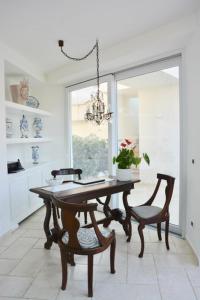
(89, 141)
(145, 105)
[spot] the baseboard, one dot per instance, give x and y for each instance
(193, 248)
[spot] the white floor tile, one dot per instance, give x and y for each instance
(126, 291)
(7, 265)
(142, 275)
(11, 237)
(19, 248)
(34, 233)
(42, 289)
(2, 249)
(197, 292)
(13, 286)
(174, 291)
(175, 260)
(31, 263)
(75, 290)
(171, 275)
(194, 275)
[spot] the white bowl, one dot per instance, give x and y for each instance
(54, 181)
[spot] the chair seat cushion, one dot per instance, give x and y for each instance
(87, 237)
(146, 212)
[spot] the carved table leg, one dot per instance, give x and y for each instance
(116, 215)
(107, 211)
(48, 243)
(127, 221)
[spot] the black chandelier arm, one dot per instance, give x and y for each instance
(61, 44)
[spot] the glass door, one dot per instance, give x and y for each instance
(89, 145)
(148, 115)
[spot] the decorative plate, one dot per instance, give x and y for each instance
(32, 102)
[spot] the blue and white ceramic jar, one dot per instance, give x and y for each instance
(24, 127)
(35, 154)
(37, 126)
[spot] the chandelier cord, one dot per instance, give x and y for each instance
(96, 46)
(97, 112)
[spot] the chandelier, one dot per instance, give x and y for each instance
(96, 111)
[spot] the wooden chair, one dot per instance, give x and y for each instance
(73, 239)
(70, 171)
(149, 214)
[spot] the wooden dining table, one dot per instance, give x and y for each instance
(75, 193)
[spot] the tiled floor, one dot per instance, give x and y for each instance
(27, 271)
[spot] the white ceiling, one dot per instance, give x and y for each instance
(32, 28)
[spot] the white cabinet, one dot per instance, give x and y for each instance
(22, 201)
(34, 180)
(19, 203)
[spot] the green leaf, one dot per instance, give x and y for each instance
(146, 158)
(136, 161)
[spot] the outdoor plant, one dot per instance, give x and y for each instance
(127, 157)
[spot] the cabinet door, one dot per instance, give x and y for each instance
(34, 180)
(19, 198)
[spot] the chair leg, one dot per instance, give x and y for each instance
(90, 275)
(140, 231)
(159, 231)
(85, 216)
(167, 234)
(79, 214)
(70, 259)
(63, 255)
(129, 230)
(112, 256)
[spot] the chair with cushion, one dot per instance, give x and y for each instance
(69, 171)
(148, 214)
(73, 239)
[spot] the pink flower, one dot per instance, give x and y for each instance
(128, 142)
(123, 145)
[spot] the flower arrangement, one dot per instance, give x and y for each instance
(127, 157)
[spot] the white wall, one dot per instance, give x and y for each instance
(4, 197)
(53, 100)
(192, 140)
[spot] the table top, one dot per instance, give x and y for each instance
(79, 193)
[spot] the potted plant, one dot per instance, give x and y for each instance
(126, 158)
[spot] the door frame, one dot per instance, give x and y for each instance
(164, 63)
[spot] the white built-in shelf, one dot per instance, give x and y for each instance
(15, 107)
(11, 141)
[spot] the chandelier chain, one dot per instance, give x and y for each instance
(80, 58)
(96, 46)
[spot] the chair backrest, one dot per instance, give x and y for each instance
(71, 224)
(67, 171)
(168, 191)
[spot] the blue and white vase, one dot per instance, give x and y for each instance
(24, 127)
(37, 125)
(35, 154)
